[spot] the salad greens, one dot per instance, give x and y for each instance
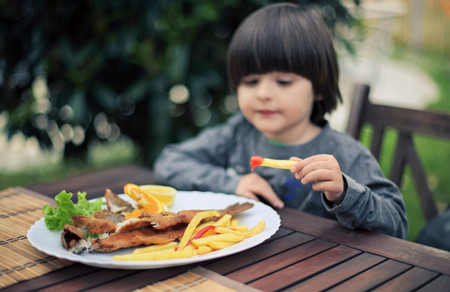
(56, 218)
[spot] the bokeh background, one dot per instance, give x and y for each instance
(87, 84)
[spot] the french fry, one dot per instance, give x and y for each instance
(204, 249)
(219, 237)
(200, 226)
(216, 245)
(275, 163)
(155, 247)
(241, 228)
(223, 221)
(160, 255)
(257, 229)
(234, 221)
(193, 224)
(229, 230)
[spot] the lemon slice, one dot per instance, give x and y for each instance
(165, 194)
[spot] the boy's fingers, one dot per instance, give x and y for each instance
(317, 176)
(315, 166)
(272, 198)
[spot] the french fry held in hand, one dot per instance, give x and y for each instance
(275, 163)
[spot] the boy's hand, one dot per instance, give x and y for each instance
(324, 171)
(252, 185)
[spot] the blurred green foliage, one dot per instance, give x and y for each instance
(77, 72)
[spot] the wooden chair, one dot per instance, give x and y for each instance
(406, 122)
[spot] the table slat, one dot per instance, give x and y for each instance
(373, 277)
(387, 246)
(441, 283)
(338, 273)
(280, 261)
(303, 269)
(408, 281)
(265, 250)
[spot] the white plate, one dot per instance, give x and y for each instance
(49, 242)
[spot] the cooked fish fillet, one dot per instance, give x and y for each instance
(73, 240)
(166, 220)
(94, 225)
(109, 215)
(142, 236)
(116, 204)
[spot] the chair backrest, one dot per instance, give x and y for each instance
(406, 122)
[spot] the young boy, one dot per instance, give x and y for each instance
(282, 63)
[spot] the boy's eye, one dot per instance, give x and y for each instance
(249, 81)
(284, 82)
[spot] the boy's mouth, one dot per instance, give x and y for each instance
(266, 112)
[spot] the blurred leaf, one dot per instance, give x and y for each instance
(105, 97)
(78, 103)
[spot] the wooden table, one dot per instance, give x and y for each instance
(308, 253)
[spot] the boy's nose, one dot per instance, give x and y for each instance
(264, 91)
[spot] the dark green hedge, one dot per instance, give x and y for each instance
(74, 72)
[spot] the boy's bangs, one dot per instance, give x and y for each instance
(263, 54)
(266, 50)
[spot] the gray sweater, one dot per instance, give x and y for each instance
(218, 157)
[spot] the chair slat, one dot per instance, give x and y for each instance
(431, 123)
(420, 180)
(355, 122)
(377, 141)
(407, 123)
(399, 160)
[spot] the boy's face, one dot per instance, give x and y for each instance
(279, 105)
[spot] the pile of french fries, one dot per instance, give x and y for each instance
(198, 239)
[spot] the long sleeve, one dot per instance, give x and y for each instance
(217, 158)
(200, 163)
(371, 201)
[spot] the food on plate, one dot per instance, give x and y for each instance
(72, 239)
(106, 231)
(146, 201)
(142, 236)
(116, 204)
(199, 217)
(275, 163)
(165, 220)
(56, 218)
(165, 254)
(165, 194)
(156, 247)
(198, 243)
(93, 224)
(109, 215)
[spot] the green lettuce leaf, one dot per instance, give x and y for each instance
(56, 218)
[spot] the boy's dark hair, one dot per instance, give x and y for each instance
(287, 38)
